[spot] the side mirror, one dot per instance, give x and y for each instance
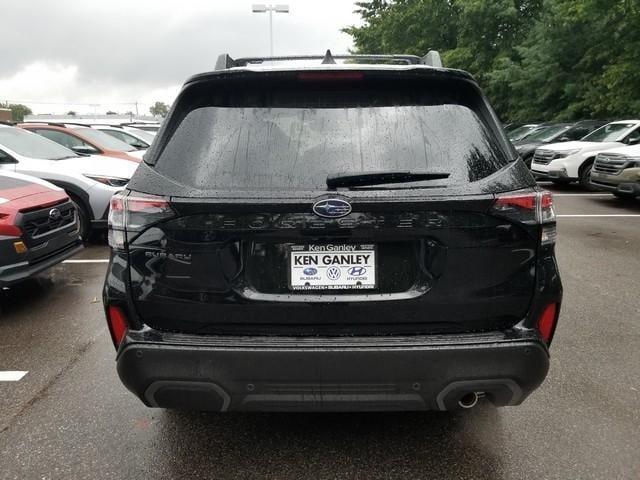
(84, 150)
(633, 141)
(139, 145)
(564, 138)
(6, 159)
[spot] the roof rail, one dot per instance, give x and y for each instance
(76, 124)
(225, 61)
(432, 58)
(116, 125)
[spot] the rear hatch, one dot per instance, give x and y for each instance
(330, 203)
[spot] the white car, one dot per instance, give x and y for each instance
(572, 161)
(89, 180)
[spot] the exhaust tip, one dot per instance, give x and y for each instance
(469, 400)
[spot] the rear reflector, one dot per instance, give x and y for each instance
(330, 76)
(117, 324)
(547, 322)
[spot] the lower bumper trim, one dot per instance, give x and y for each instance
(628, 188)
(17, 272)
(553, 175)
(414, 376)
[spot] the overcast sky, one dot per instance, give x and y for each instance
(110, 52)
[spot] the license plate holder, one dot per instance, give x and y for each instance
(321, 267)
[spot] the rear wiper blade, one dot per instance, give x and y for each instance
(363, 179)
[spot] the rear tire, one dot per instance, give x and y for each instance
(84, 223)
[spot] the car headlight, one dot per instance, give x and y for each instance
(565, 153)
(635, 161)
(111, 181)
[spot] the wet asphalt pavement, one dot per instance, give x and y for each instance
(69, 417)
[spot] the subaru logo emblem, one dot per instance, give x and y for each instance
(310, 271)
(54, 214)
(357, 271)
(332, 208)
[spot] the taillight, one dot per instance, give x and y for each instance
(118, 324)
(547, 322)
(529, 208)
(7, 226)
(129, 214)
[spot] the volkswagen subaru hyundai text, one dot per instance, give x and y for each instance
(334, 237)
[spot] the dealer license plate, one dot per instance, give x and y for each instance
(332, 267)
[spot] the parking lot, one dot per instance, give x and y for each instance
(70, 417)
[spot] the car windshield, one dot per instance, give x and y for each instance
(146, 136)
(521, 132)
(547, 134)
(293, 140)
(609, 133)
(32, 145)
(105, 141)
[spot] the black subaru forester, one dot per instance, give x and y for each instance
(353, 234)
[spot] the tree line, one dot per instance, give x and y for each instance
(535, 59)
(19, 111)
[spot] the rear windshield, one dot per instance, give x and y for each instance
(292, 138)
(547, 134)
(106, 141)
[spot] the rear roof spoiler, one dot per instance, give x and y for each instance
(432, 59)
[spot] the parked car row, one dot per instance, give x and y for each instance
(542, 134)
(596, 155)
(89, 179)
(56, 184)
(86, 140)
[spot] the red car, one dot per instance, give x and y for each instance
(85, 140)
(38, 227)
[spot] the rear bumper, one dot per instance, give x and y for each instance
(330, 374)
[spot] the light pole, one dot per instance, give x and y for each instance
(262, 8)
